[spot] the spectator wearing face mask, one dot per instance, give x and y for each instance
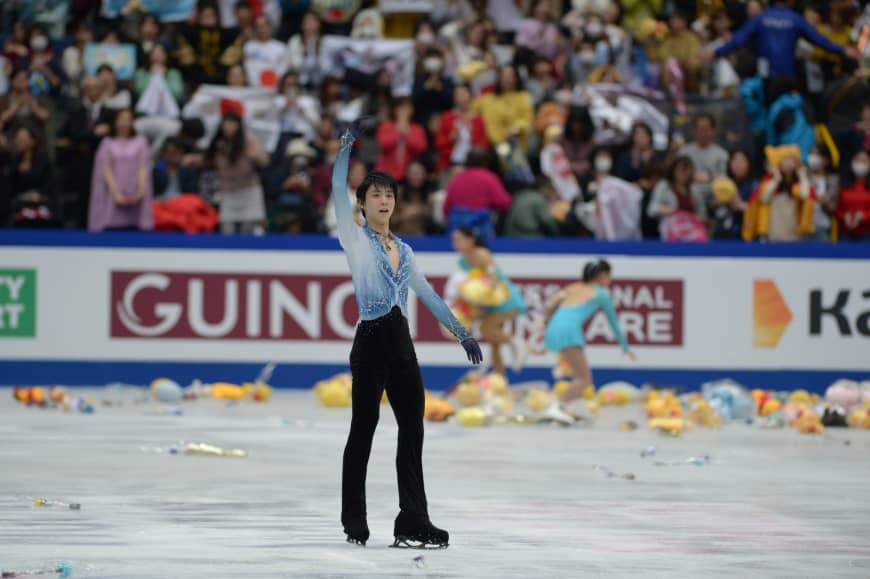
(826, 186)
(46, 75)
(433, 89)
(853, 208)
(617, 202)
(591, 51)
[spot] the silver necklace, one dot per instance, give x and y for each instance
(385, 239)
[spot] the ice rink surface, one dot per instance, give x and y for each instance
(518, 500)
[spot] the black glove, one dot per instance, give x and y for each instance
(472, 348)
(361, 126)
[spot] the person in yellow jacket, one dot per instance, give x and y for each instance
(508, 111)
(781, 208)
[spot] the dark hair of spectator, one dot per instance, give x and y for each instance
(476, 157)
(595, 268)
(236, 142)
(579, 116)
(117, 115)
(649, 170)
(18, 70)
(153, 18)
(325, 87)
(748, 161)
(677, 164)
(424, 22)
(287, 75)
(77, 25)
(379, 180)
(173, 143)
(192, 129)
(519, 80)
(106, 66)
(641, 126)
(708, 117)
(34, 135)
(243, 4)
(472, 233)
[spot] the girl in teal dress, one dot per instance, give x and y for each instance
(568, 310)
(476, 255)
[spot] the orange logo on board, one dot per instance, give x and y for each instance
(770, 314)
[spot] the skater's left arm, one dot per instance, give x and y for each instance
(433, 301)
(610, 312)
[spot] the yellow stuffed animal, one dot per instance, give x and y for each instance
(537, 399)
(335, 394)
(860, 417)
(809, 423)
(227, 391)
(479, 289)
(472, 416)
(468, 394)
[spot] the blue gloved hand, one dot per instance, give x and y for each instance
(472, 348)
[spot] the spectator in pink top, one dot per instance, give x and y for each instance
(476, 188)
(400, 141)
(539, 34)
(121, 192)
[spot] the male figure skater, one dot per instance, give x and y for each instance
(382, 267)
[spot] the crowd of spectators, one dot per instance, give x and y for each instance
(746, 120)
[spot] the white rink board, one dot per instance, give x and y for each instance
(74, 307)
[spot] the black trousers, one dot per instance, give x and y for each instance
(383, 357)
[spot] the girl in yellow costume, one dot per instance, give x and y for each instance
(503, 300)
(781, 208)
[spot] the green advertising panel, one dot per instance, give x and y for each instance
(17, 303)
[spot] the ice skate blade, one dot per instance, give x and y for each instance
(359, 542)
(407, 543)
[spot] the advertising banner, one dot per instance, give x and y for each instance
(297, 306)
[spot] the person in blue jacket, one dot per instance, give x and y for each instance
(383, 267)
(567, 312)
(775, 33)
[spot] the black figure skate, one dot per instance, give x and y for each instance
(357, 533)
(418, 533)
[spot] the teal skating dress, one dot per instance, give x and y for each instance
(566, 326)
(514, 301)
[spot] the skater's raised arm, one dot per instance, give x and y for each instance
(347, 228)
(610, 312)
(421, 286)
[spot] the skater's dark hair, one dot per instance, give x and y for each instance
(376, 179)
(595, 268)
(467, 231)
